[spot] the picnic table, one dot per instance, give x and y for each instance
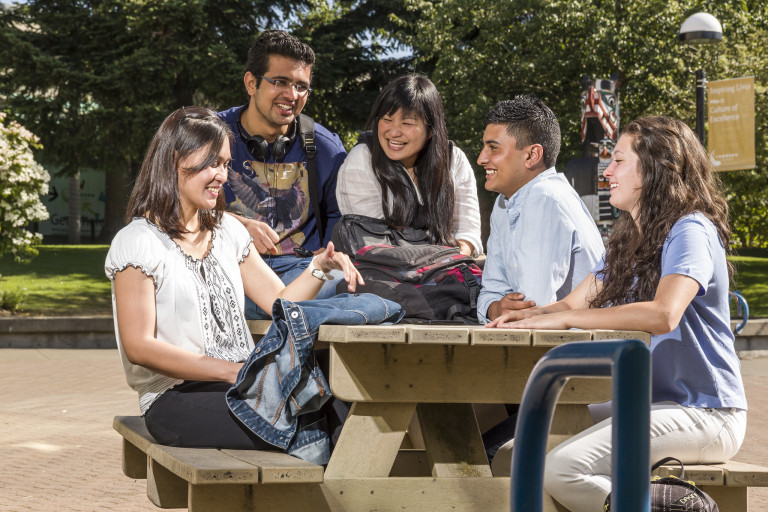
(393, 374)
(411, 441)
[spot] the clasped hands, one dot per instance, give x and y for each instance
(514, 312)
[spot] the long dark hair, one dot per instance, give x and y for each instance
(415, 95)
(156, 191)
(677, 179)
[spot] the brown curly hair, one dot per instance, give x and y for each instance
(677, 179)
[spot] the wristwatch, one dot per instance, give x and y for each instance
(316, 272)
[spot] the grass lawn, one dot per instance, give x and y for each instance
(69, 280)
(751, 279)
(62, 280)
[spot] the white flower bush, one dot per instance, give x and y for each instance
(22, 182)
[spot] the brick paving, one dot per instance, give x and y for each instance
(58, 450)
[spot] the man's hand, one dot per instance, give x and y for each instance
(264, 237)
(510, 302)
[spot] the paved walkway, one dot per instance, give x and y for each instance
(58, 450)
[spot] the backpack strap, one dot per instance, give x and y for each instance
(474, 286)
(307, 131)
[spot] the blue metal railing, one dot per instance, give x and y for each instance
(742, 308)
(629, 362)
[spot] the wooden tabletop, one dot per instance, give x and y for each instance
(455, 334)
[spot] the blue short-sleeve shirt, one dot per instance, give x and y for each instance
(696, 363)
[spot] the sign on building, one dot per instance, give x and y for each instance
(731, 115)
(91, 205)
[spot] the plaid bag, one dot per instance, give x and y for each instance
(432, 283)
(675, 494)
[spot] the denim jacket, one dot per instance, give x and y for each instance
(280, 385)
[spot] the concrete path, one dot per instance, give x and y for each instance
(58, 450)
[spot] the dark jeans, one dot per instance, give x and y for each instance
(195, 414)
(498, 435)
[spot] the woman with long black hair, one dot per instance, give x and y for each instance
(407, 172)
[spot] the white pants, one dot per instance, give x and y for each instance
(577, 472)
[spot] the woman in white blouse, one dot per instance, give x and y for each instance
(179, 270)
(408, 173)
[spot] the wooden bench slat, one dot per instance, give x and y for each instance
(438, 335)
(259, 327)
(700, 474)
(362, 333)
(742, 474)
(506, 337)
(277, 467)
(605, 334)
(204, 465)
(134, 430)
(554, 338)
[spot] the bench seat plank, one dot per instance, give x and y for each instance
(277, 467)
(136, 441)
(742, 474)
(134, 430)
(699, 474)
(204, 465)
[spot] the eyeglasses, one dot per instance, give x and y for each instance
(284, 85)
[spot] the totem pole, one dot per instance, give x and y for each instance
(599, 132)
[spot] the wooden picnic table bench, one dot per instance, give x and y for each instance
(400, 379)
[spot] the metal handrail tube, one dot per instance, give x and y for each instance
(629, 363)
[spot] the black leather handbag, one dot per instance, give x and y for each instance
(675, 494)
(353, 232)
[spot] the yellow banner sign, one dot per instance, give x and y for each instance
(731, 108)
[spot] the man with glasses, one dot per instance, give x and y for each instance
(286, 201)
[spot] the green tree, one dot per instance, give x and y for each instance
(96, 77)
(22, 182)
(352, 40)
(479, 52)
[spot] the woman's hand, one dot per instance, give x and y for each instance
(517, 315)
(330, 259)
(539, 320)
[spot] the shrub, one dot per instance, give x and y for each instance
(22, 182)
(13, 300)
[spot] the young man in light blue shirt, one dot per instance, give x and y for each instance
(543, 241)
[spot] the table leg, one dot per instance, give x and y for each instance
(453, 441)
(369, 440)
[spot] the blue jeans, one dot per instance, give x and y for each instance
(288, 268)
(280, 387)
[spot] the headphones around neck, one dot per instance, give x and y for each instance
(258, 147)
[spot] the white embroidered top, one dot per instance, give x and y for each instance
(198, 303)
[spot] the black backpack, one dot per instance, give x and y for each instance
(353, 232)
(430, 282)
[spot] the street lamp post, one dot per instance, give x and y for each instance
(701, 28)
